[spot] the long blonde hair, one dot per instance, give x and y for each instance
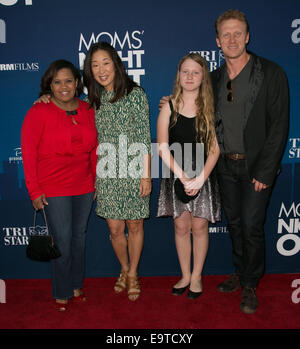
(205, 128)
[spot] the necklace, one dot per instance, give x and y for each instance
(72, 113)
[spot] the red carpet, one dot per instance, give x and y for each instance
(29, 306)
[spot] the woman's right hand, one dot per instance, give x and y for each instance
(39, 202)
(44, 99)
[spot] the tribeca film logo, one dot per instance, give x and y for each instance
(214, 58)
(289, 221)
(128, 45)
(296, 33)
(2, 291)
(294, 151)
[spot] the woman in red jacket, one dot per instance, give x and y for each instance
(59, 141)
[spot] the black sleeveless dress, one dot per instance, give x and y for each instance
(207, 203)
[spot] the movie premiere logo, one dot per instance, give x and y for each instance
(294, 151)
(129, 46)
(17, 158)
(214, 58)
(19, 236)
(296, 294)
(296, 33)
(2, 31)
(2, 291)
(15, 236)
(288, 227)
(13, 2)
(23, 66)
(14, 66)
(2, 22)
(218, 230)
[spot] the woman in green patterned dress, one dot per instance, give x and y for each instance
(123, 182)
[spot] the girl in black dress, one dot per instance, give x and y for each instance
(192, 200)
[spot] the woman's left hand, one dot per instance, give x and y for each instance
(145, 187)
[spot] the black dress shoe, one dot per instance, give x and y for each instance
(193, 295)
(179, 291)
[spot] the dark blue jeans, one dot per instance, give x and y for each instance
(245, 211)
(67, 218)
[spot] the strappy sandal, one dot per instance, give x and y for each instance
(133, 287)
(60, 306)
(120, 284)
(80, 298)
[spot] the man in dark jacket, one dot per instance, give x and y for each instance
(252, 116)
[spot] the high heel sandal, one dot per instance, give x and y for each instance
(80, 298)
(60, 306)
(133, 288)
(120, 284)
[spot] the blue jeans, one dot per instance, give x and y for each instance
(67, 218)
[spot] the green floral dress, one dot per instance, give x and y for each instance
(124, 137)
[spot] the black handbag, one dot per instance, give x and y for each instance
(42, 247)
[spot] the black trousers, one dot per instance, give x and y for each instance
(245, 211)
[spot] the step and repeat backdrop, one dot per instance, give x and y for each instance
(150, 37)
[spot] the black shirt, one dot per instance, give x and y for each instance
(233, 113)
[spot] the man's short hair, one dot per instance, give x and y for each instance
(231, 14)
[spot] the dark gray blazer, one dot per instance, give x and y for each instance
(266, 118)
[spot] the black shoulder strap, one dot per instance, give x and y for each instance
(171, 106)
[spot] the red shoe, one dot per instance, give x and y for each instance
(60, 306)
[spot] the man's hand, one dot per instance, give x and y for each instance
(258, 186)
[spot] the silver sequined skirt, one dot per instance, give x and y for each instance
(206, 205)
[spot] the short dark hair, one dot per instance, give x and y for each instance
(123, 85)
(51, 72)
(231, 14)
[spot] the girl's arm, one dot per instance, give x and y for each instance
(163, 122)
